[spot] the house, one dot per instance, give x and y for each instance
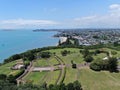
(18, 66)
(105, 58)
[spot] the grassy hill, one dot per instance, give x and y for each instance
(89, 79)
(103, 80)
(6, 68)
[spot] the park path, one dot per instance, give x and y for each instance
(62, 67)
(62, 71)
(28, 70)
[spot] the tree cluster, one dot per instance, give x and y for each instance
(31, 54)
(45, 54)
(6, 85)
(110, 65)
(65, 52)
(87, 55)
(70, 86)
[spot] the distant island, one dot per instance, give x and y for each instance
(8, 29)
(47, 30)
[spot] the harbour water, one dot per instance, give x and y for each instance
(17, 41)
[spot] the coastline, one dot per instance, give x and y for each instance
(22, 40)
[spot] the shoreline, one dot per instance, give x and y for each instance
(21, 41)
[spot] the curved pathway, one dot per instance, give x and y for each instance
(61, 67)
(20, 78)
(62, 72)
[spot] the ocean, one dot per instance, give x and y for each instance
(17, 41)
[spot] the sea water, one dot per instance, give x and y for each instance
(17, 41)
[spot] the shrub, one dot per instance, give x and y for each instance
(65, 52)
(3, 77)
(45, 54)
(88, 58)
(95, 66)
(110, 65)
(97, 51)
(113, 52)
(74, 66)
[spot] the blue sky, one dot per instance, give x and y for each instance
(59, 14)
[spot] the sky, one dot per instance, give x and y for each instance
(15, 14)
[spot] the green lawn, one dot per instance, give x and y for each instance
(41, 62)
(6, 68)
(52, 77)
(46, 62)
(118, 52)
(89, 79)
(58, 51)
(53, 61)
(103, 80)
(75, 57)
(41, 77)
(35, 77)
(71, 75)
(101, 56)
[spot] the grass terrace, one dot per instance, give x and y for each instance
(103, 80)
(6, 68)
(41, 77)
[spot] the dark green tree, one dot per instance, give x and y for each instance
(88, 58)
(112, 64)
(77, 85)
(3, 77)
(85, 52)
(70, 86)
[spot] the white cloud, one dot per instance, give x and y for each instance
(111, 19)
(114, 6)
(85, 18)
(24, 23)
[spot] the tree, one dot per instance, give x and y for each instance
(64, 53)
(96, 65)
(70, 86)
(44, 85)
(74, 65)
(112, 64)
(5, 85)
(81, 51)
(113, 52)
(28, 56)
(62, 86)
(97, 51)
(77, 85)
(116, 43)
(51, 86)
(11, 79)
(85, 52)
(59, 43)
(45, 54)
(3, 77)
(30, 87)
(88, 58)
